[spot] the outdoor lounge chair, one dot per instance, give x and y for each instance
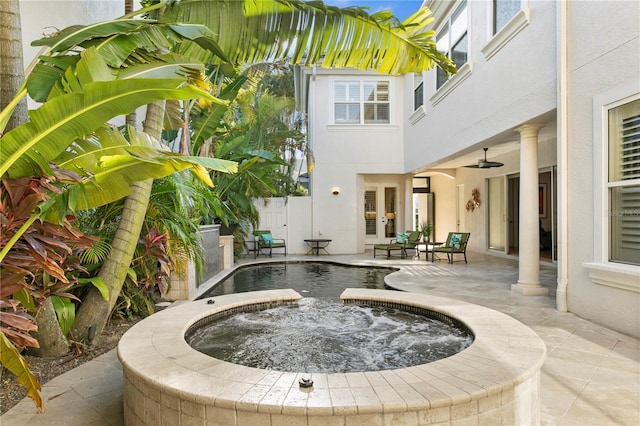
(266, 241)
(387, 248)
(413, 238)
(412, 242)
(456, 244)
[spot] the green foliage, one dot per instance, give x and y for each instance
(66, 312)
(175, 209)
(136, 299)
(425, 229)
(14, 362)
(97, 253)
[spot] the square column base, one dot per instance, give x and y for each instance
(530, 290)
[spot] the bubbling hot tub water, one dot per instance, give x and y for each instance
(325, 336)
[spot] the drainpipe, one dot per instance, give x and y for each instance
(563, 157)
(311, 98)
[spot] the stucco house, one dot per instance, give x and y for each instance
(552, 89)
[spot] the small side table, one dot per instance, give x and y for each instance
(427, 248)
(317, 244)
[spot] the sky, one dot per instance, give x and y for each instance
(400, 8)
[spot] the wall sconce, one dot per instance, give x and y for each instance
(335, 190)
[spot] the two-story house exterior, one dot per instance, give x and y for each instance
(552, 89)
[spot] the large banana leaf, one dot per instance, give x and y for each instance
(26, 150)
(110, 164)
(146, 34)
(252, 31)
(123, 44)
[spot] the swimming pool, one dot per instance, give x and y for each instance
(310, 279)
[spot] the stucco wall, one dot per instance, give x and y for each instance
(46, 17)
(597, 66)
(515, 85)
(345, 157)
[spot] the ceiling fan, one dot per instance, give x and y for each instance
(484, 164)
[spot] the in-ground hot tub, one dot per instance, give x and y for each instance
(493, 381)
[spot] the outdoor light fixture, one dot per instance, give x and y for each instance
(335, 190)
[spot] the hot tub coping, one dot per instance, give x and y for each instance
(505, 355)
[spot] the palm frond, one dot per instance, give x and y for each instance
(96, 253)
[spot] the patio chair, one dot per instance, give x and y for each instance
(412, 241)
(456, 244)
(266, 241)
(401, 243)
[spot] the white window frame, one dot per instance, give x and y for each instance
(601, 270)
(361, 102)
(418, 91)
(497, 41)
(495, 31)
(619, 183)
(447, 26)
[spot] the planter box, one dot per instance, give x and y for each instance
(218, 255)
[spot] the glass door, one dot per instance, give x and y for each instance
(371, 212)
(380, 213)
(390, 212)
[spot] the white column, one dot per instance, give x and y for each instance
(529, 242)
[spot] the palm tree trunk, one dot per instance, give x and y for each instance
(11, 61)
(95, 310)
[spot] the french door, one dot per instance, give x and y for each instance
(380, 213)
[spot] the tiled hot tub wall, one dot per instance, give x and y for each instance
(494, 381)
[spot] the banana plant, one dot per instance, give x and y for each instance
(81, 93)
(56, 130)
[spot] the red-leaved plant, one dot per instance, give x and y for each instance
(37, 249)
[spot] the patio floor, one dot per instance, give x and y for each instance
(591, 375)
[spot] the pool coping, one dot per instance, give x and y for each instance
(505, 354)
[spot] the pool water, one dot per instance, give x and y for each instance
(310, 279)
(321, 334)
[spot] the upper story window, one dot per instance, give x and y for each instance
(361, 102)
(624, 183)
(503, 11)
(452, 40)
(418, 91)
